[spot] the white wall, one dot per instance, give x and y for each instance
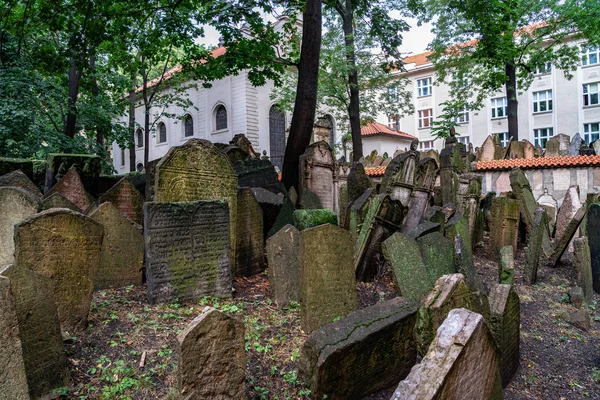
(384, 144)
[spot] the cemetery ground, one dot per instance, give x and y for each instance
(130, 349)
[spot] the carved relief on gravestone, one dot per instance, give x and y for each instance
(318, 173)
(13, 384)
(550, 205)
(188, 253)
(250, 244)
(127, 199)
(505, 319)
(16, 204)
(282, 254)
(19, 179)
(122, 257)
(39, 330)
(71, 187)
(212, 359)
(423, 190)
(399, 178)
(64, 246)
(198, 171)
(327, 282)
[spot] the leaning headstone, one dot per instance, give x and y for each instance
(304, 219)
(505, 319)
(593, 231)
(327, 281)
(57, 200)
(71, 187)
(458, 232)
(270, 203)
(212, 359)
(558, 145)
(317, 175)
(19, 179)
(504, 226)
(187, 250)
(410, 274)
(563, 242)
(575, 145)
(462, 363)
(365, 352)
(358, 211)
(438, 255)
(16, 204)
(64, 246)
(122, 254)
(422, 193)
(250, 242)
(399, 177)
(358, 182)
(534, 246)
(127, 199)
(13, 384)
(583, 266)
(198, 171)
(282, 256)
(567, 210)
(506, 270)
(424, 228)
(39, 330)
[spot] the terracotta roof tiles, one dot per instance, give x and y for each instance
(376, 128)
(375, 171)
(540, 162)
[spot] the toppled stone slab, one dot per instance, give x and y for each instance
(561, 245)
(365, 352)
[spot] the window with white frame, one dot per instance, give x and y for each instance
(591, 132)
(542, 101)
(426, 145)
(162, 133)
(590, 55)
(503, 136)
(542, 135)
(139, 135)
(220, 118)
(188, 126)
(425, 118)
(122, 157)
(499, 107)
(464, 139)
(394, 122)
(392, 93)
(463, 116)
(543, 68)
(424, 87)
(590, 94)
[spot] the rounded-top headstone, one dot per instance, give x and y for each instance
(16, 204)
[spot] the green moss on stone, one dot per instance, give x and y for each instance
(304, 219)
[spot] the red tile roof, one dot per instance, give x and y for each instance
(540, 162)
(376, 128)
(375, 171)
(418, 59)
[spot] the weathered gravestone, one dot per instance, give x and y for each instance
(567, 211)
(253, 172)
(558, 145)
(562, 243)
(358, 182)
(285, 216)
(188, 253)
(317, 175)
(122, 254)
(282, 256)
(575, 145)
(421, 195)
(71, 187)
(358, 211)
(16, 204)
(13, 384)
(367, 351)
(468, 197)
(550, 205)
(457, 231)
(250, 242)
(534, 246)
(327, 282)
(583, 266)
(528, 149)
(506, 270)
(342, 202)
(424, 228)
(504, 226)
(127, 199)
(410, 273)
(198, 171)
(438, 255)
(304, 219)
(39, 330)
(462, 363)
(57, 200)
(270, 203)
(504, 322)
(399, 177)
(593, 231)
(57, 166)
(212, 359)
(19, 179)
(449, 292)
(491, 149)
(64, 246)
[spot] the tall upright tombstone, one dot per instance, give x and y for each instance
(469, 197)
(16, 204)
(282, 256)
(250, 243)
(534, 246)
(317, 175)
(583, 266)
(491, 149)
(558, 145)
(44, 355)
(122, 254)
(567, 211)
(327, 282)
(188, 253)
(505, 320)
(71, 187)
(399, 178)
(13, 384)
(198, 171)
(64, 246)
(127, 199)
(593, 231)
(422, 192)
(504, 226)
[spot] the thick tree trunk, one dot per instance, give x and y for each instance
(354, 106)
(513, 103)
(306, 93)
(95, 94)
(132, 145)
(74, 77)
(146, 134)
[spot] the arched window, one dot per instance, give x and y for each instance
(139, 136)
(139, 167)
(188, 126)
(220, 118)
(162, 133)
(122, 157)
(276, 136)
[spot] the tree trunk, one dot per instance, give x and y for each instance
(74, 77)
(132, 125)
(354, 106)
(95, 94)
(513, 103)
(306, 93)
(146, 134)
